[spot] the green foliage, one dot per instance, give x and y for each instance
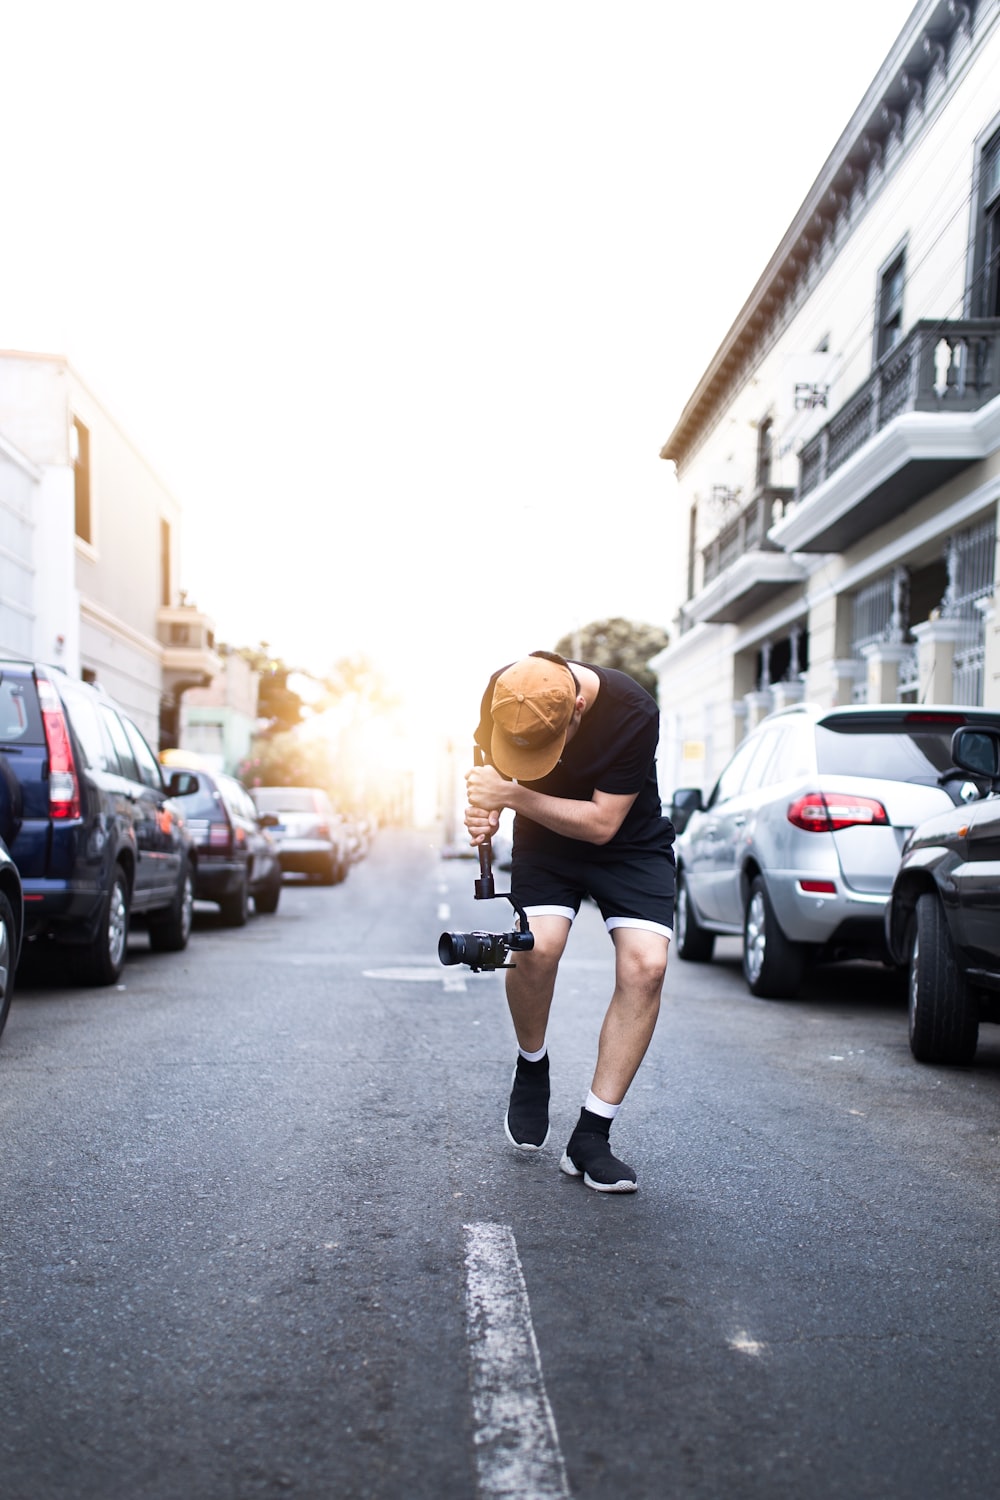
(288, 759)
(624, 644)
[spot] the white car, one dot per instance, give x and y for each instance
(797, 847)
(309, 831)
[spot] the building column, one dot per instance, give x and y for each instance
(847, 672)
(991, 655)
(783, 694)
(936, 641)
(759, 705)
(882, 663)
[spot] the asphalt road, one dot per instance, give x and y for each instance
(261, 1233)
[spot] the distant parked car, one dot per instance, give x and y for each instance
(307, 829)
(11, 901)
(796, 849)
(943, 917)
(237, 857)
(100, 838)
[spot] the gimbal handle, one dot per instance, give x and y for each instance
(485, 888)
(484, 885)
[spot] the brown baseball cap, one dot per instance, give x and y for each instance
(533, 703)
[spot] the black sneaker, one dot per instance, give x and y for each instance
(588, 1155)
(526, 1124)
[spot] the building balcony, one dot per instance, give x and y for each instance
(741, 568)
(189, 656)
(928, 410)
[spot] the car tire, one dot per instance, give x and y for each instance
(944, 1016)
(170, 933)
(8, 948)
(772, 966)
(266, 899)
(235, 909)
(101, 961)
(694, 943)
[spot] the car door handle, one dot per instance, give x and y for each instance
(739, 822)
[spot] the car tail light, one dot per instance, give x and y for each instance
(818, 887)
(817, 812)
(322, 830)
(64, 787)
(218, 836)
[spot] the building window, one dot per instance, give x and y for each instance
(765, 452)
(164, 562)
(83, 518)
(985, 300)
(889, 311)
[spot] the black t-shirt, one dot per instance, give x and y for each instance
(613, 750)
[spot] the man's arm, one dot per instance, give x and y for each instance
(593, 822)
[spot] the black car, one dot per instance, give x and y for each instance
(99, 838)
(236, 858)
(11, 900)
(943, 916)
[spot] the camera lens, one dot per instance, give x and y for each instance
(451, 947)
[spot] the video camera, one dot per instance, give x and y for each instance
(486, 951)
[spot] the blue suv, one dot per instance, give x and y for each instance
(96, 836)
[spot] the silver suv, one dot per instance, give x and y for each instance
(797, 846)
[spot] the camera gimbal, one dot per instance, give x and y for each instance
(486, 951)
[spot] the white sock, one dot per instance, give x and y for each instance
(533, 1056)
(600, 1107)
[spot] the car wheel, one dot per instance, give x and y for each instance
(694, 943)
(8, 942)
(944, 1017)
(170, 933)
(266, 899)
(103, 959)
(772, 966)
(236, 908)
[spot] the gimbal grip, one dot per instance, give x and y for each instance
(484, 885)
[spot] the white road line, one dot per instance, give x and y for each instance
(517, 1446)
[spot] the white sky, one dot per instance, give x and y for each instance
(402, 299)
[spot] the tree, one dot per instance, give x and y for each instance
(625, 644)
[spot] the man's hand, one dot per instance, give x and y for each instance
(488, 793)
(481, 825)
(487, 789)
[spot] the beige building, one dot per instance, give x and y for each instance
(839, 459)
(89, 549)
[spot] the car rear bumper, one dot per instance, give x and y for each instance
(822, 919)
(216, 881)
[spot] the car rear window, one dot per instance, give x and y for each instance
(893, 752)
(205, 802)
(20, 719)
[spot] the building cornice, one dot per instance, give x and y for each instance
(893, 114)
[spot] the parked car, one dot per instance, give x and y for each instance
(943, 916)
(796, 849)
(11, 899)
(237, 857)
(308, 830)
(100, 839)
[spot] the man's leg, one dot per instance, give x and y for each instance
(530, 986)
(640, 967)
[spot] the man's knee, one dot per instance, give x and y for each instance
(641, 964)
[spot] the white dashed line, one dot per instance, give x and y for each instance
(517, 1446)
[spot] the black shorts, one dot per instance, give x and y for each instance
(635, 891)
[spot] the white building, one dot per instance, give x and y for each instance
(89, 548)
(839, 459)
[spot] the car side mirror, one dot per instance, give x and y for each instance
(182, 784)
(976, 749)
(685, 801)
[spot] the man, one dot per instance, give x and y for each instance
(571, 748)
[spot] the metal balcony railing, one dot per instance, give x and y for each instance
(938, 367)
(745, 532)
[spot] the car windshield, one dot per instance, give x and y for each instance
(900, 752)
(284, 799)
